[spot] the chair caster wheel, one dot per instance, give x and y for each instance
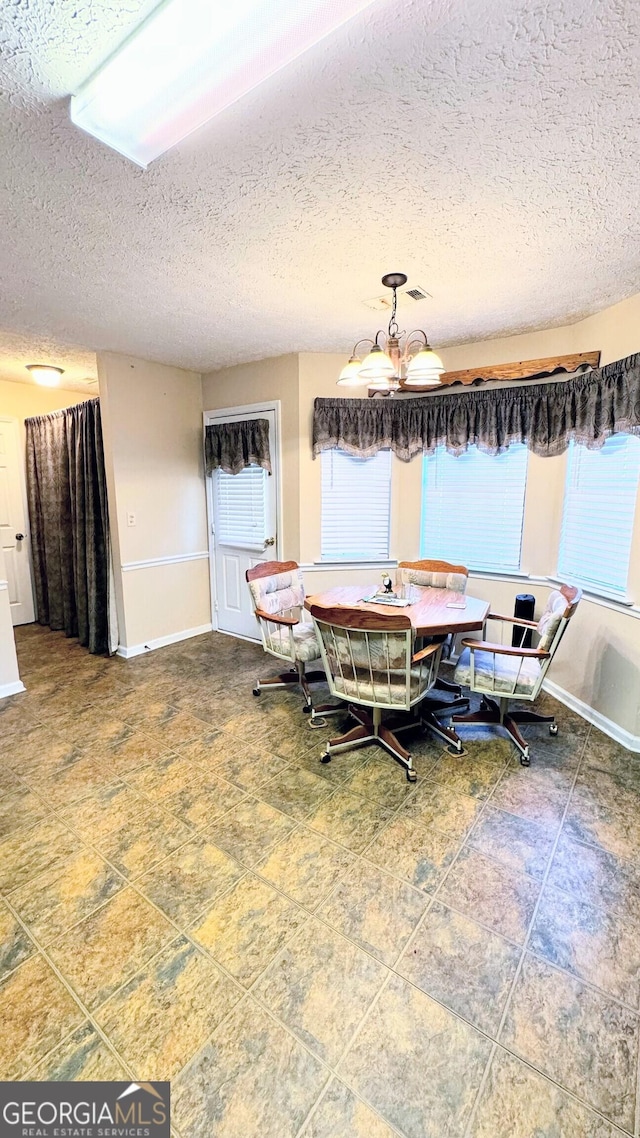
(553, 728)
(525, 761)
(325, 758)
(306, 710)
(412, 776)
(257, 692)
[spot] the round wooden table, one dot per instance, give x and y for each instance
(431, 614)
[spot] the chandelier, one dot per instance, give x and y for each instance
(401, 360)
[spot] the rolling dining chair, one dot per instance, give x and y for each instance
(437, 575)
(277, 594)
(512, 673)
(371, 662)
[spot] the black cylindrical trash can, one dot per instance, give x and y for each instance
(524, 607)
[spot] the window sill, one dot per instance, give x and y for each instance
(386, 563)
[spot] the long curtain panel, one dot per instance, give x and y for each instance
(545, 416)
(68, 513)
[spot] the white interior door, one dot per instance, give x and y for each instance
(244, 520)
(14, 537)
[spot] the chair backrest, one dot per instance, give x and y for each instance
(276, 586)
(433, 575)
(559, 609)
(367, 657)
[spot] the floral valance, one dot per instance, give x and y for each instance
(232, 446)
(546, 416)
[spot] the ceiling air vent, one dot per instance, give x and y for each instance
(406, 296)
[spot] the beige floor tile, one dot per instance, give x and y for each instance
(516, 842)
(65, 893)
(467, 774)
(20, 807)
(15, 944)
(168, 1010)
(341, 1114)
(416, 1064)
(612, 883)
(134, 849)
(250, 767)
(444, 809)
(578, 1037)
(540, 795)
(349, 819)
(462, 965)
(492, 894)
(605, 813)
(245, 928)
(100, 953)
(600, 948)
(249, 830)
(305, 866)
(516, 1102)
(185, 883)
(106, 809)
(36, 1013)
(415, 852)
(380, 779)
(164, 778)
(83, 1057)
(252, 1078)
(296, 792)
(30, 850)
(320, 987)
(375, 910)
(68, 784)
(201, 802)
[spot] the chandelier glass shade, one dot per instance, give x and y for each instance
(405, 360)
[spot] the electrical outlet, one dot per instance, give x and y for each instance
(131, 519)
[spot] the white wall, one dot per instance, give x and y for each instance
(152, 421)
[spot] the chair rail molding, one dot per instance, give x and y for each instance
(170, 559)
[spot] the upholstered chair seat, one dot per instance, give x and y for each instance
(507, 671)
(277, 594)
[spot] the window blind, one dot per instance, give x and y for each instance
(599, 509)
(473, 508)
(240, 504)
(356, 505)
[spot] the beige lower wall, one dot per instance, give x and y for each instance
(185, 589)
(152, 421)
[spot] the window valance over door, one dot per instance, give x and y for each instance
(546, 416)
(232, 446)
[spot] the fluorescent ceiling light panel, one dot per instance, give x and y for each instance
(192, 58)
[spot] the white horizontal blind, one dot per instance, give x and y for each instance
(356, 505)
(240, 507)
(473, 508)
(599, 509)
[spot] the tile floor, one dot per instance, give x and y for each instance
(322, 951)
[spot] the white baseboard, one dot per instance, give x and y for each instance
(11, 689)
(613, 730)
(161, 641)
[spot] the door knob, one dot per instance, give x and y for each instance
(269, 541)
(19, 537)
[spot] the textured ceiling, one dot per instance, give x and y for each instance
(488, 148)
(78, 364)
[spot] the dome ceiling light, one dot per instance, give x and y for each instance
(45, 374)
